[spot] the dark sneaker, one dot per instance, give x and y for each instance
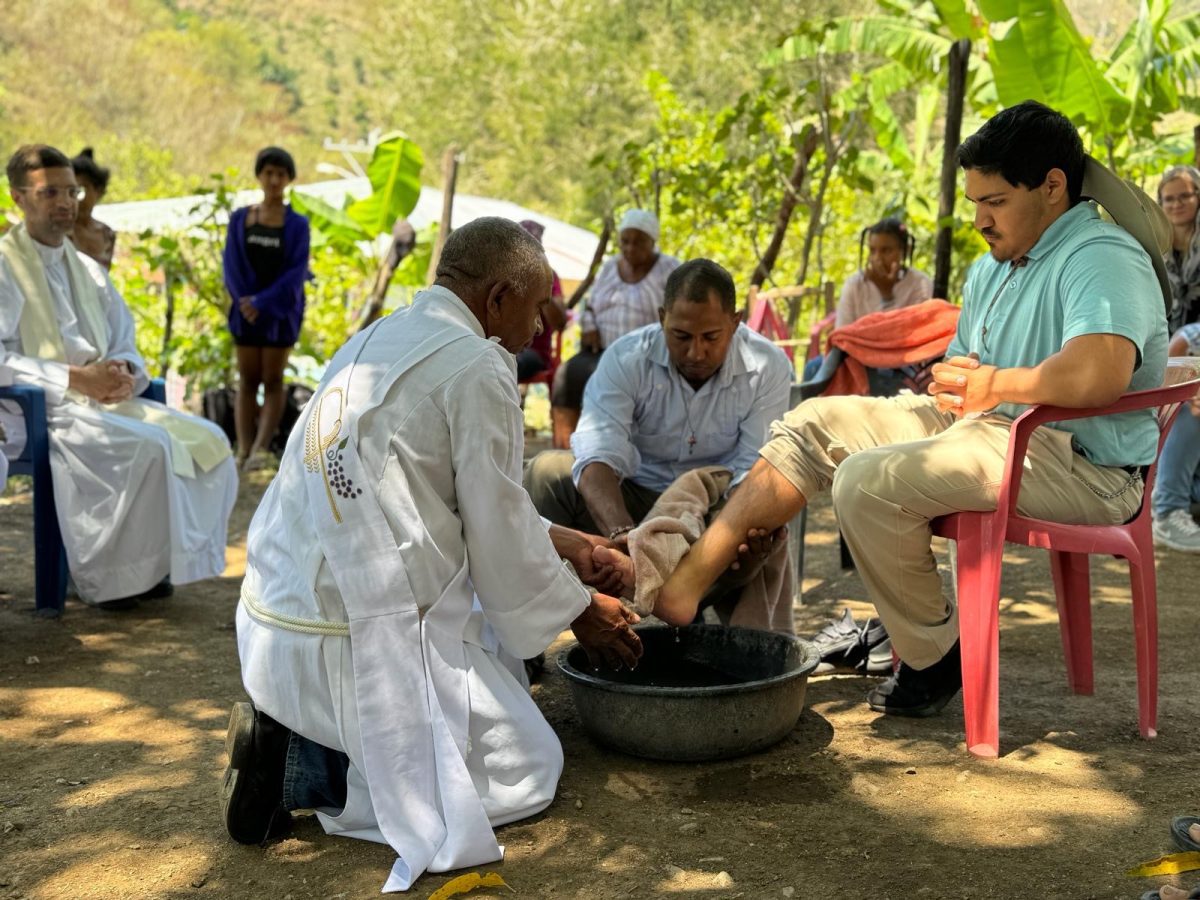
(252, 792)
(919, 693)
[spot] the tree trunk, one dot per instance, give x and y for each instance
(1196, 144)
(449, 176)
(814, 217)
(960, 53)
(404, 241)
(597, 258)
(786, 207)
(169, 317)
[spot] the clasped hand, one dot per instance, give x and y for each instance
(248, 309)
(885, 275)
(105, 381)
(962, 385)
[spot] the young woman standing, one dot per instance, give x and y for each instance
(266, 265)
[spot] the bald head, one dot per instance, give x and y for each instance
(491, 250)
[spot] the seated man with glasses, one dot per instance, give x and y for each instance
(143, 493)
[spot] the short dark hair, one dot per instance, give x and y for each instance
(275, 156)
(1023, 143)
(492, 249)
(85, 166)
(696, 281)
(31, 158)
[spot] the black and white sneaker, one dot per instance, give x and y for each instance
(846, 646)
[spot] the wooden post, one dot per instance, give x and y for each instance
(1196, 144)
(164, 357)
(960, 53)
(449, 176)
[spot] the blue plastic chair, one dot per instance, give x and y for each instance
(50, 558)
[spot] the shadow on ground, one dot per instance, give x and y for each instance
(112, 731)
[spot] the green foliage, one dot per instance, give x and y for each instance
(395, 174)
(173, 282)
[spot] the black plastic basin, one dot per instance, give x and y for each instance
(701, 692)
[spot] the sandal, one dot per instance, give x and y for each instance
(1179, 832)
(263, 459)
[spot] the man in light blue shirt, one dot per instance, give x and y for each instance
(1065, 310)
(698, 389)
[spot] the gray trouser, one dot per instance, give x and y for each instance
(549, 484)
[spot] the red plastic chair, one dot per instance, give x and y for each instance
(981, 537)
(765, 320)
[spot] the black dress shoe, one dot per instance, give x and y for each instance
(118, 604)
(160, 591)
(919, 693)
(252, 791)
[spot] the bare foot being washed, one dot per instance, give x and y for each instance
(752, 554)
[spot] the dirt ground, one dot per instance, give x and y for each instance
(111, 751)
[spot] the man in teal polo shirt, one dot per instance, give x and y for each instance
(1065, 310)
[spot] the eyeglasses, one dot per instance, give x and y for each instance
(1178, 198)
(52, 193)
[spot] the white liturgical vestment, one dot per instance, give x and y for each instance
(134, 504)
(396, 574)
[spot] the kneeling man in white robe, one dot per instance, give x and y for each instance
(396, 575)
(143, 493)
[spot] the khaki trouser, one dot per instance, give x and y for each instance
(548, 482)
(896, 463)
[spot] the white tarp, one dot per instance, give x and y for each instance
(568, 248)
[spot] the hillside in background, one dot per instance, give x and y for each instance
(168, 91)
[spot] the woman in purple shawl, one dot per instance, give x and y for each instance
(266, 265)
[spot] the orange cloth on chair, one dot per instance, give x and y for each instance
(890, 339)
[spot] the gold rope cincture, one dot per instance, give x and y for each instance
(291, 623)
(319, 448)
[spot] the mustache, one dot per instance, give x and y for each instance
(988, 232)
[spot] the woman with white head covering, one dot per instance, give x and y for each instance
(626, 296)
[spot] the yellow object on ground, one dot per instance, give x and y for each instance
(469, 882)
(1171, 864)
